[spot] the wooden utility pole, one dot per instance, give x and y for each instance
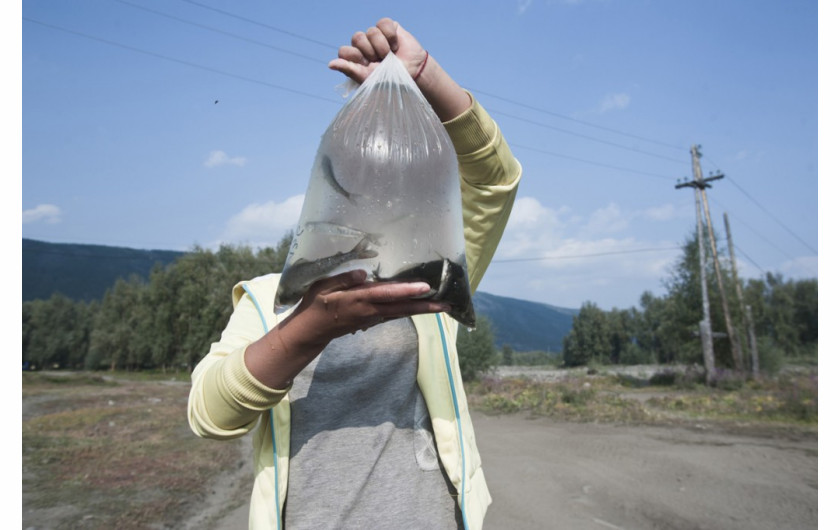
(746, 311)
(706, 323)
(734, 338)
(701, 184)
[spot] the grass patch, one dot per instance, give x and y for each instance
(664, 398)
(120, 453)
(579, 399)
(788, 399)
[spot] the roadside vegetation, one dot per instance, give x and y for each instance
(788, 401)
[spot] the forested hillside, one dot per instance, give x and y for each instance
(83, 272)
(523, 325)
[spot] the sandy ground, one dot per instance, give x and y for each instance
(547, 474)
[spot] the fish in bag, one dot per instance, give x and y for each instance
(384, 196)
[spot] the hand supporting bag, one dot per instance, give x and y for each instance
(384, 196)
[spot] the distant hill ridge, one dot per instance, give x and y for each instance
(85, 272)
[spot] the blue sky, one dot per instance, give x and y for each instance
(166, 124)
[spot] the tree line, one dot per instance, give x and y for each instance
(168, 320)
(778, 318)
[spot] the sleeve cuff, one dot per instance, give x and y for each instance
(472, 130)
(244, 388)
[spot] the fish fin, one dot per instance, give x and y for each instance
(363, 250)
(329, 173)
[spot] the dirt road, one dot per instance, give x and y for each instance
(545, 474)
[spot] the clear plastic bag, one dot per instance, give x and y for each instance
(384, 196)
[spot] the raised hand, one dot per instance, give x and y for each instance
(358, 60)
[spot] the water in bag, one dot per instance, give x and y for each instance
(384, 196)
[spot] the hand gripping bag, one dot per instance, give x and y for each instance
(384, 196)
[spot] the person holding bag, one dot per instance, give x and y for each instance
(354, 394)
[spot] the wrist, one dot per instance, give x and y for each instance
(446, 97)
(421, 67)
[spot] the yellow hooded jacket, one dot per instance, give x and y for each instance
(227, 402)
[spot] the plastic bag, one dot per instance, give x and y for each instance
(384, 196)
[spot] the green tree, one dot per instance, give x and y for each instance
(476, 350)
(116, 334)
(785, 313)
(806, 307)
(588, 341)
(55, 332)
(620, 327)
(507, 355)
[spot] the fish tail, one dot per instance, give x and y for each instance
(363, 250)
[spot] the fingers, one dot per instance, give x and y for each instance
(378, 302)
(353, 55)
(388, 29)
(367, 49)
(346, 303)
(339, 282)
(390, 292)
(379, 43)
(361, 41)
(374, 44)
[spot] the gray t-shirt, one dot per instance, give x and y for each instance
(362, 449)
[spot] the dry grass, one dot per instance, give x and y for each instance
(112, 454)
(787, 401)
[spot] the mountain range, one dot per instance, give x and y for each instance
(84, 272)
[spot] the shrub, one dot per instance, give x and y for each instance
(770, 356)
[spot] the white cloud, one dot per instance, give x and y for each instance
(562, 258)
(607, 220)
(522, 6)
(46, 213)
(614, 102)
(263, 225)
(220, 158)
(800, 268)
(528, 213)
(531, 227)
(666, 212)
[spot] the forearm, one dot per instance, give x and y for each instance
(226, 399)
(446, 97)
(331, 307)
(281, 354)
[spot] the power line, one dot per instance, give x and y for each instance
(765, 210)
(222, 32)
(569, 118)
(181, 61)
(741, 221)
(314, 96)
(500, 98)
(496, 112)
(320, 61)
(302, 93)
(742, 253)
(477, 91)
(262, 24)
(593, 255)
(559, 155)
